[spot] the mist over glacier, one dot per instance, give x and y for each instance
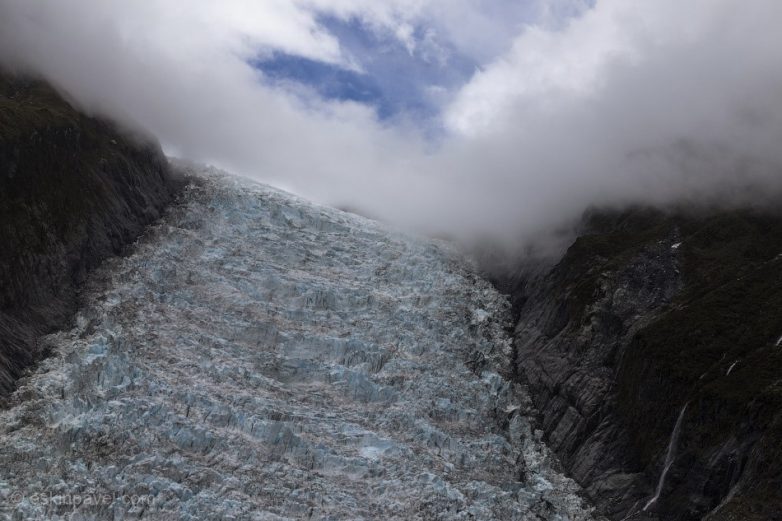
(569, 104)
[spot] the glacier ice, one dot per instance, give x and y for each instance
(259, 357)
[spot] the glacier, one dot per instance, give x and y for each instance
(260, 357)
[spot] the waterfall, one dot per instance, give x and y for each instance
(669, 458)
(731, 368)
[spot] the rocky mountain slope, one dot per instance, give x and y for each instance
(653, 350)
(258, 357)
(73, 190)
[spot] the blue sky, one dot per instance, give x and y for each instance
(416, 72)
(387, 76)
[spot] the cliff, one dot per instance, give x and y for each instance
(646, 313)
(73, 190)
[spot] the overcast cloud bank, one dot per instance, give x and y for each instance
(572, 104)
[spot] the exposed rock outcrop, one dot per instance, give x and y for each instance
(73, 190)
(648, 312)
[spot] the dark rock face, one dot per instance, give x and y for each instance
(73, 190)
(647, 312)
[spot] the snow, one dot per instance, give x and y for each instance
(259, 357)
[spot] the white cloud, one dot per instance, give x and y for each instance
(643, 100)
(543, 65)
(651, 101)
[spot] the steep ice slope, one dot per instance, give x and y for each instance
(258, 357)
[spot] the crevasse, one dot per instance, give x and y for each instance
(259, 357)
